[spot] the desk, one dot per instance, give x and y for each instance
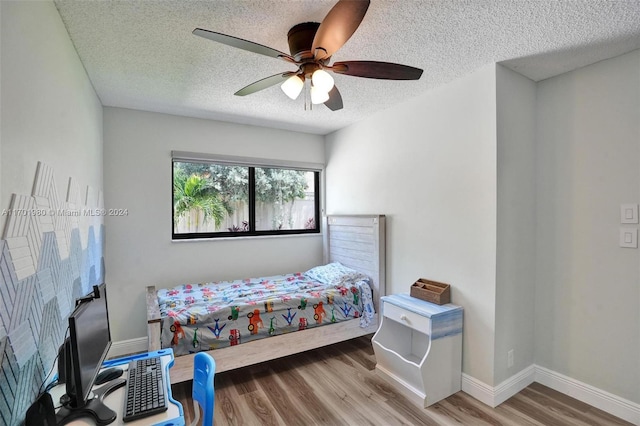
(174, 416)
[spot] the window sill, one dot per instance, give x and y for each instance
(251, 237)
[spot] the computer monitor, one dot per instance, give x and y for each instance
(90, 340)
(84, 352)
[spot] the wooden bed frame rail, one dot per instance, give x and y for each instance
(355, 241)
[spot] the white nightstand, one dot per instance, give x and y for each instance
(418, 347)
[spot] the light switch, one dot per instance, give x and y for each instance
(629, 237)
(628, 213)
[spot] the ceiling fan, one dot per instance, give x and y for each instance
(312, 44)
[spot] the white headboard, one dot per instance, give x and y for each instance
(358, 241)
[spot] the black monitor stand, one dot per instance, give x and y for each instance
(95, 408)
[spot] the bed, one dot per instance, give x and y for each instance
(279, 315)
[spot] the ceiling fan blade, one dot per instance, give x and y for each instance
(264, 83)
(380, 70)
(242, 44)
(335, 99)
(338, 26)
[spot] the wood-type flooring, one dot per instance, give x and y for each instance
(337, 385)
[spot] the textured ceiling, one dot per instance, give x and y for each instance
(142, 55)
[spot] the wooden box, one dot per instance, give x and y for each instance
(431, 291)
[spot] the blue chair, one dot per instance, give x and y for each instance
(204, 368)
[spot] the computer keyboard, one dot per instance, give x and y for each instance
(145, 390)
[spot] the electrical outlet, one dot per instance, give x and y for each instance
(510, 359)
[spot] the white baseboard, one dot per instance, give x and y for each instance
(494, 396)
(514, 384)
(605, 401)
(128, 347)
(478, 389)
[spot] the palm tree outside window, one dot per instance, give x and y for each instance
(213, 200)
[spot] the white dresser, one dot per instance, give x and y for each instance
(418, 347)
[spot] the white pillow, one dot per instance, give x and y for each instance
(334, 274)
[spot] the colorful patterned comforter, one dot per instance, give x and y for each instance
(199, 317)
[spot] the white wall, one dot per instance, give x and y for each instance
(587, 287)
(430, 166)
(50, 111)
(516, 248)
(450, 170)
(139, 251)
(487, 183)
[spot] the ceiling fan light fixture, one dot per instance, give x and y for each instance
(312, 45)
(293, 86)
(318, 96)
(322, 80)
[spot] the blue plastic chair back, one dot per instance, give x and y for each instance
(204, 369)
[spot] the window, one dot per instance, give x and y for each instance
(216, 196)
